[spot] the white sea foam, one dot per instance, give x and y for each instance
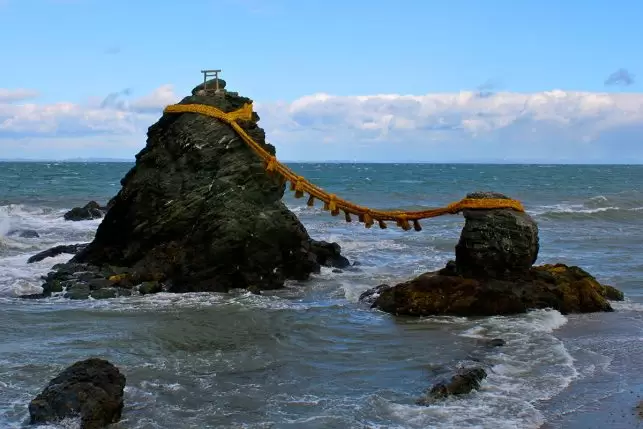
(16, 276)
(533, 365)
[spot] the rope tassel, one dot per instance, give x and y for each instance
(347, 216)
(368, 220)
(403, 223)
(311, 201)
(382, 224)
(416, 225)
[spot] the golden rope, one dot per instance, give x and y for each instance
(300, 186)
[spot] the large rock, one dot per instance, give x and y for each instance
(445, 292)
(496, 244)
(199, 213)
(91, 389)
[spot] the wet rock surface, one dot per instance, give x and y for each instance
(91, 389)
(465, 381)
(197, 212)
(57, 250)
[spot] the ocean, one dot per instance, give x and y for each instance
(310, 356)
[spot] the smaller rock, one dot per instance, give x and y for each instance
(91, 210)
(104, 293)
(496, 342)
(329, 254)
(25, 233)
(147, 288)
(95, 284)
(78, 291)
(464, 382)
(57, 250)
(123, 291)
(613, 294)
(91, 389)
(370, 296)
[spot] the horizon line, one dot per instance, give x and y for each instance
(465, 162)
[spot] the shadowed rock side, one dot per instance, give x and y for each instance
(199, 213)
(492, 275)
(91, 389)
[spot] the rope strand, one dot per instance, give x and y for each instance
(300, 186)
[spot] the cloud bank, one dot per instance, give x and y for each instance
(484, 126)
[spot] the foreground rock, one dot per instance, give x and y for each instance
(493, 275)
(91, 210)
(57, 250)
(465, 381)
(199, 213)
(91, 389)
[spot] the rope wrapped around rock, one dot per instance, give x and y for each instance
(300, 186)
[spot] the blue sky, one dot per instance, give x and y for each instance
(542, 64)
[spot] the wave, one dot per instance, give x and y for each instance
(622, 206)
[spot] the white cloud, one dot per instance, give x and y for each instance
(20, 94)
(505, 125)
(111, 116)
(547, 126)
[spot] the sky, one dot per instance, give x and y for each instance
(544, 81)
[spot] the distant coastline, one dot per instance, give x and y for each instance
(460, 162)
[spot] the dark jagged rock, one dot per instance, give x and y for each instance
(91, 389)
(496, 342)
(199, 213)
(91, 210)
(57, 250)
(493, 275)
(329, 254)
(463, 382)
(496, 244)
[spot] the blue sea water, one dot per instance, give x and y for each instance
(310, 356)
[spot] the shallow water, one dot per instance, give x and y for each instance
(310, 356)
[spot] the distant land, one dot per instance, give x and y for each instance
(67, 160)
(476, 162)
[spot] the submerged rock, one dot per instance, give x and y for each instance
(57, 250)
(493, 275)
(91, 389)
(91, 210)
(463, 382)
(198, 212)
(24, 233)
